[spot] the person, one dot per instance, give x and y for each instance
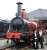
(41, 38)
(35, 39)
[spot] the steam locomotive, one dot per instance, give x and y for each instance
(17, 30)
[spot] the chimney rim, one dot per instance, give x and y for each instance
(19, 3)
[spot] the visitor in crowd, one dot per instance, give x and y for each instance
(37, 37)
(41, 38)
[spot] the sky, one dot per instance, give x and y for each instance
(8, 8)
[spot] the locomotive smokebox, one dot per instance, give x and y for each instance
(19, 8)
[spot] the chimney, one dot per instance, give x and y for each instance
(19, 8)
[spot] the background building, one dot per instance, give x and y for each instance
(39, 16)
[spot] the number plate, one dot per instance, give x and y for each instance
(21, 40)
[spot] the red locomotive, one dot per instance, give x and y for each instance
(19, 30)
